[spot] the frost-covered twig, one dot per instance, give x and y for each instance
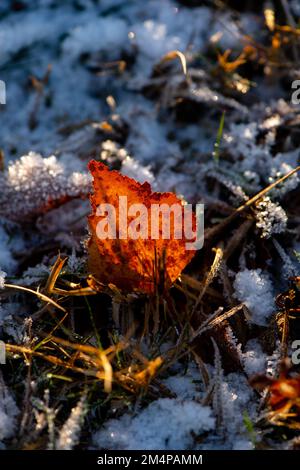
(70, 432)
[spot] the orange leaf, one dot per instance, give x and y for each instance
(134, 264)
(284, 392)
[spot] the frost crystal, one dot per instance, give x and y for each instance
(70, 433)
(136, 170)
(35, 275)
(270, 218)
(111, 151)
(254, 288)
(254, 359)
(289, 268)
(75, 263)
(165, 424)
(33, 183)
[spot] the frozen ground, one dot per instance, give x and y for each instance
(86, 79)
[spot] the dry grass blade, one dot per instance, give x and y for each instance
(211, 275)
(224, 316)
(218, 397)
(269, 13)
(216, 319)
(91, 350)
(90, 355)
(82, 291)
(196, 285)
(43, 297)
(202, 368)
(285, 335)
(74, 290)
(145, 376)
(108, 372)
(55, 272)
(176, 54)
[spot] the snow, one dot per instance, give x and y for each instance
(185, 384)
(8, 413)
(168, 32)
(148, 138)
(136, 170)
(254, 288)
(254, 359)
(165, 424)
(236, 399)
(24, 31)
(34, 182)
(289, 266)
(101, 34)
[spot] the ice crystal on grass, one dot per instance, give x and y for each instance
(254, 288)
(75, 263)
(165, 424)
(47, 414)
(34, 184)
(35, 275)
(289, 267)
(70, 433)
(270, 218)
(137, 171)
(233, 187)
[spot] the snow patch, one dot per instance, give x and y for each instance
(255, 289)
(165, 424)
